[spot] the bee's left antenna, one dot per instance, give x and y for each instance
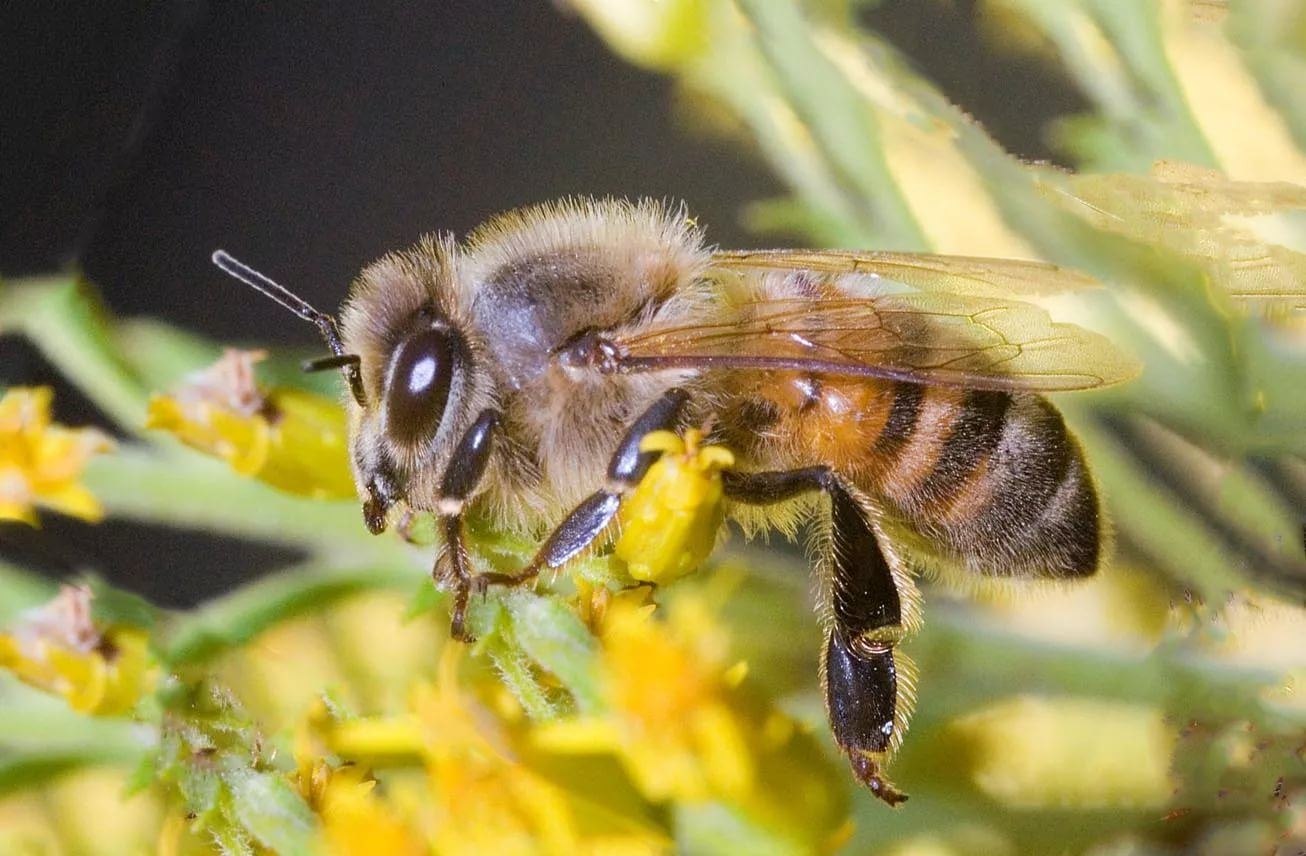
(283, 296)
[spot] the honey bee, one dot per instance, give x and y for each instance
(517, 373)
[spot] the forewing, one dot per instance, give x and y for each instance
(930, 337)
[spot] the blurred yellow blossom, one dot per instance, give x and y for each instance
(59, 649)
(669, 720)
(655, 33)
(40, 462)
(83, 811)
(355, 818)
(486, 800)
(677, 719)
(669, 524)
(1036, 752)
(482, 795)
(288, 438)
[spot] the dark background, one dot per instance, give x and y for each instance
(311, 138)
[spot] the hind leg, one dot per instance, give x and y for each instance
(863, 695)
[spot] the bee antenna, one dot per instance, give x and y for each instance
(286, 298)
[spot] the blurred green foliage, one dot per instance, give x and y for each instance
(1195, 633)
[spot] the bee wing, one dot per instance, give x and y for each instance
(933, 337)
(981, 277)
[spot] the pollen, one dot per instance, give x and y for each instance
(669, 524)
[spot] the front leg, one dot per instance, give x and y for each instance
(862, 693)
(461, 478)
(587, 520)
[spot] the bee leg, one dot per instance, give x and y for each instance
(588, 519)
(860, 673)
(466, 468)
(406, 526)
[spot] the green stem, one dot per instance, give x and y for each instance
(41, 738)
(64, 321)
(839, 118)
(21, 590)
(233, 620)
(186, 490)
(516, 674)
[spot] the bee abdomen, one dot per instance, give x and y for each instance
(992, 478)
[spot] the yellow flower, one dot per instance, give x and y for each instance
(355, 818)
(669, 524)
(1067, 752)
(677, 720)
(481, 794)
(60, 650)
(486, 799)
(659, 34)
(288, 438)
(40, 463)
(670, 722)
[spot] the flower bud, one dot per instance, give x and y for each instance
(669, 523)
(659, 34)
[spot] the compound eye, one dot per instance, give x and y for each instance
(417, 385)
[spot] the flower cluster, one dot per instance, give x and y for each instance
(675, 730)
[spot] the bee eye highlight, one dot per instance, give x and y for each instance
(417, 384)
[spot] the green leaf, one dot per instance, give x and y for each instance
(41, 738)
(164, 355)
(269, 808)
(112, 605)
(21, 590)
(235, 619)
(187, 490)
(548, 631)
(32, 770)
(426, 598)
(515, 670)
(720, 828)
(838, 119)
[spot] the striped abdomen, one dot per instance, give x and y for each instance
(993, 479)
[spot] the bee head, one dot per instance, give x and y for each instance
(410, 365)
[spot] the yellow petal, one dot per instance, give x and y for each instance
(40, 462)
(295, 441)
(82, 677)
(10, 510)
(577, 735)
(75, 501)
